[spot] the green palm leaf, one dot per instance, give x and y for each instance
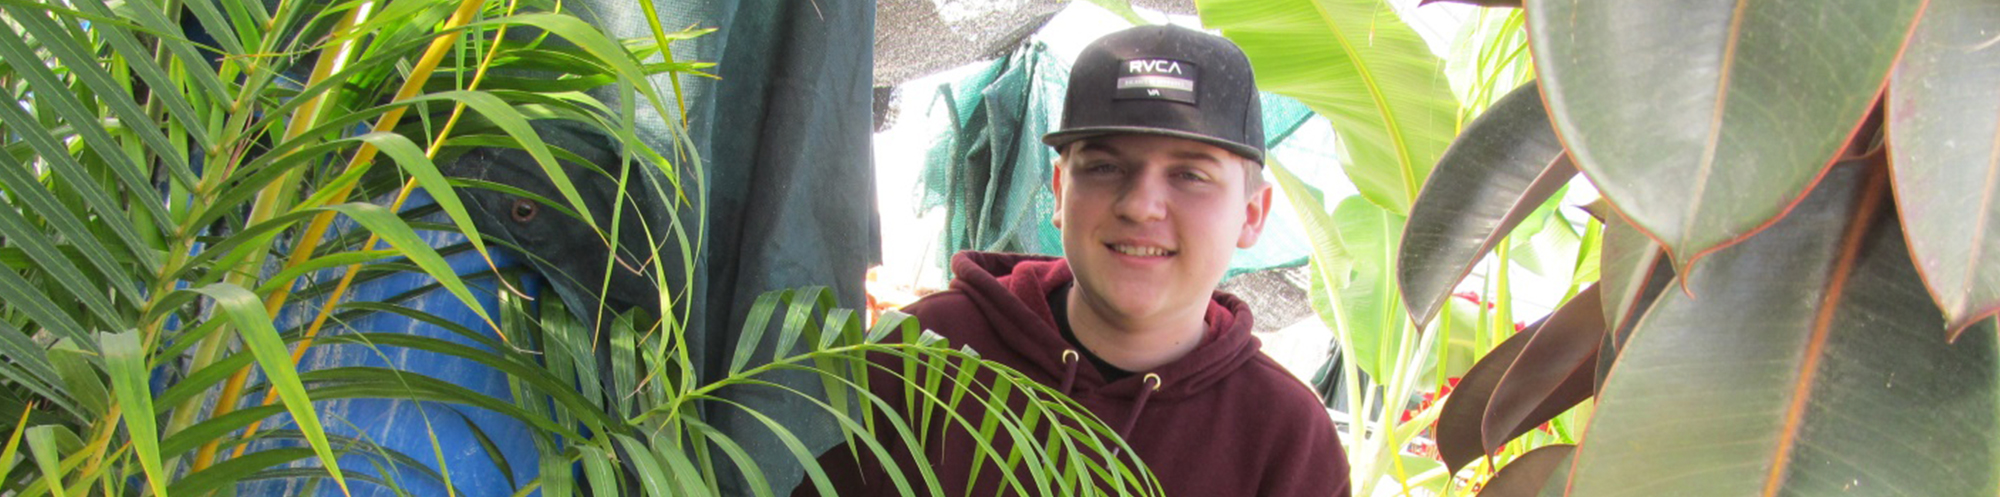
(125, 359)
(246, 313)
(146, 180)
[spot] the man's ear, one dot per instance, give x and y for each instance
(1256, 209)
(1056, 185)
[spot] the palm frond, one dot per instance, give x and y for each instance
(186, 216)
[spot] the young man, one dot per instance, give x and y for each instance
(1159, 182)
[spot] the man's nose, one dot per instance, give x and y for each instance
(1144, 199)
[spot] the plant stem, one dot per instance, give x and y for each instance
(266, 206)
(304, 253)
(1503, 299)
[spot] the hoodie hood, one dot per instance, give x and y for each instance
(1011, 291)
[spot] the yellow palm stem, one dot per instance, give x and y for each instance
(347, 276)
(309, 241)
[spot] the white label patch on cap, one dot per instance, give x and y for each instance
(1156, 79)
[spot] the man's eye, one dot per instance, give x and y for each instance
(1194, 176)
(1100, 168)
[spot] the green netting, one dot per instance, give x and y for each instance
(988, 168)
(990, 171)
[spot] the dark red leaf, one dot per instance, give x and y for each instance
(1458, 428)
(1530, 473)
(1554, 372)
(1525, 381)
(1505, 165)
(1598, 209)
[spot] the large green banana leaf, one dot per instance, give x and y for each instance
(1356, 63)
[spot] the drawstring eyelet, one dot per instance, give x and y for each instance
(1153, 383)
(1069, 358)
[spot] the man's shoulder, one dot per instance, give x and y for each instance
(1281, 395)
(951, 313)
(948, 303)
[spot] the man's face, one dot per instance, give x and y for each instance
(1149, 222)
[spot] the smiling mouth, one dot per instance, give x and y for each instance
(1139, 251)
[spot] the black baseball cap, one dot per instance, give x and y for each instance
(1164, 80)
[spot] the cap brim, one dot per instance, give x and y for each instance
(1060, 139)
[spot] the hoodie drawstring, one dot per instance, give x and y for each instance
(1153, 382)
(1070, 359)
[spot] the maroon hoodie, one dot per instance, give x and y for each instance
(1225, 420)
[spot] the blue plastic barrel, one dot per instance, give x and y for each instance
(405, 426)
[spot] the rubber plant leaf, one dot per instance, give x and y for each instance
(1634, 273)
(1524, 382)
(1529, 474)
(1809, 364)
(1703, 122)
(1944, 136)
(1499, 171)
(1458, 428)
(1556, 371)
(1356, 63)
(1598, 209)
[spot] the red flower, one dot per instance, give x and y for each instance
(1430, 397)
(1422, 448)
(1473, 297)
